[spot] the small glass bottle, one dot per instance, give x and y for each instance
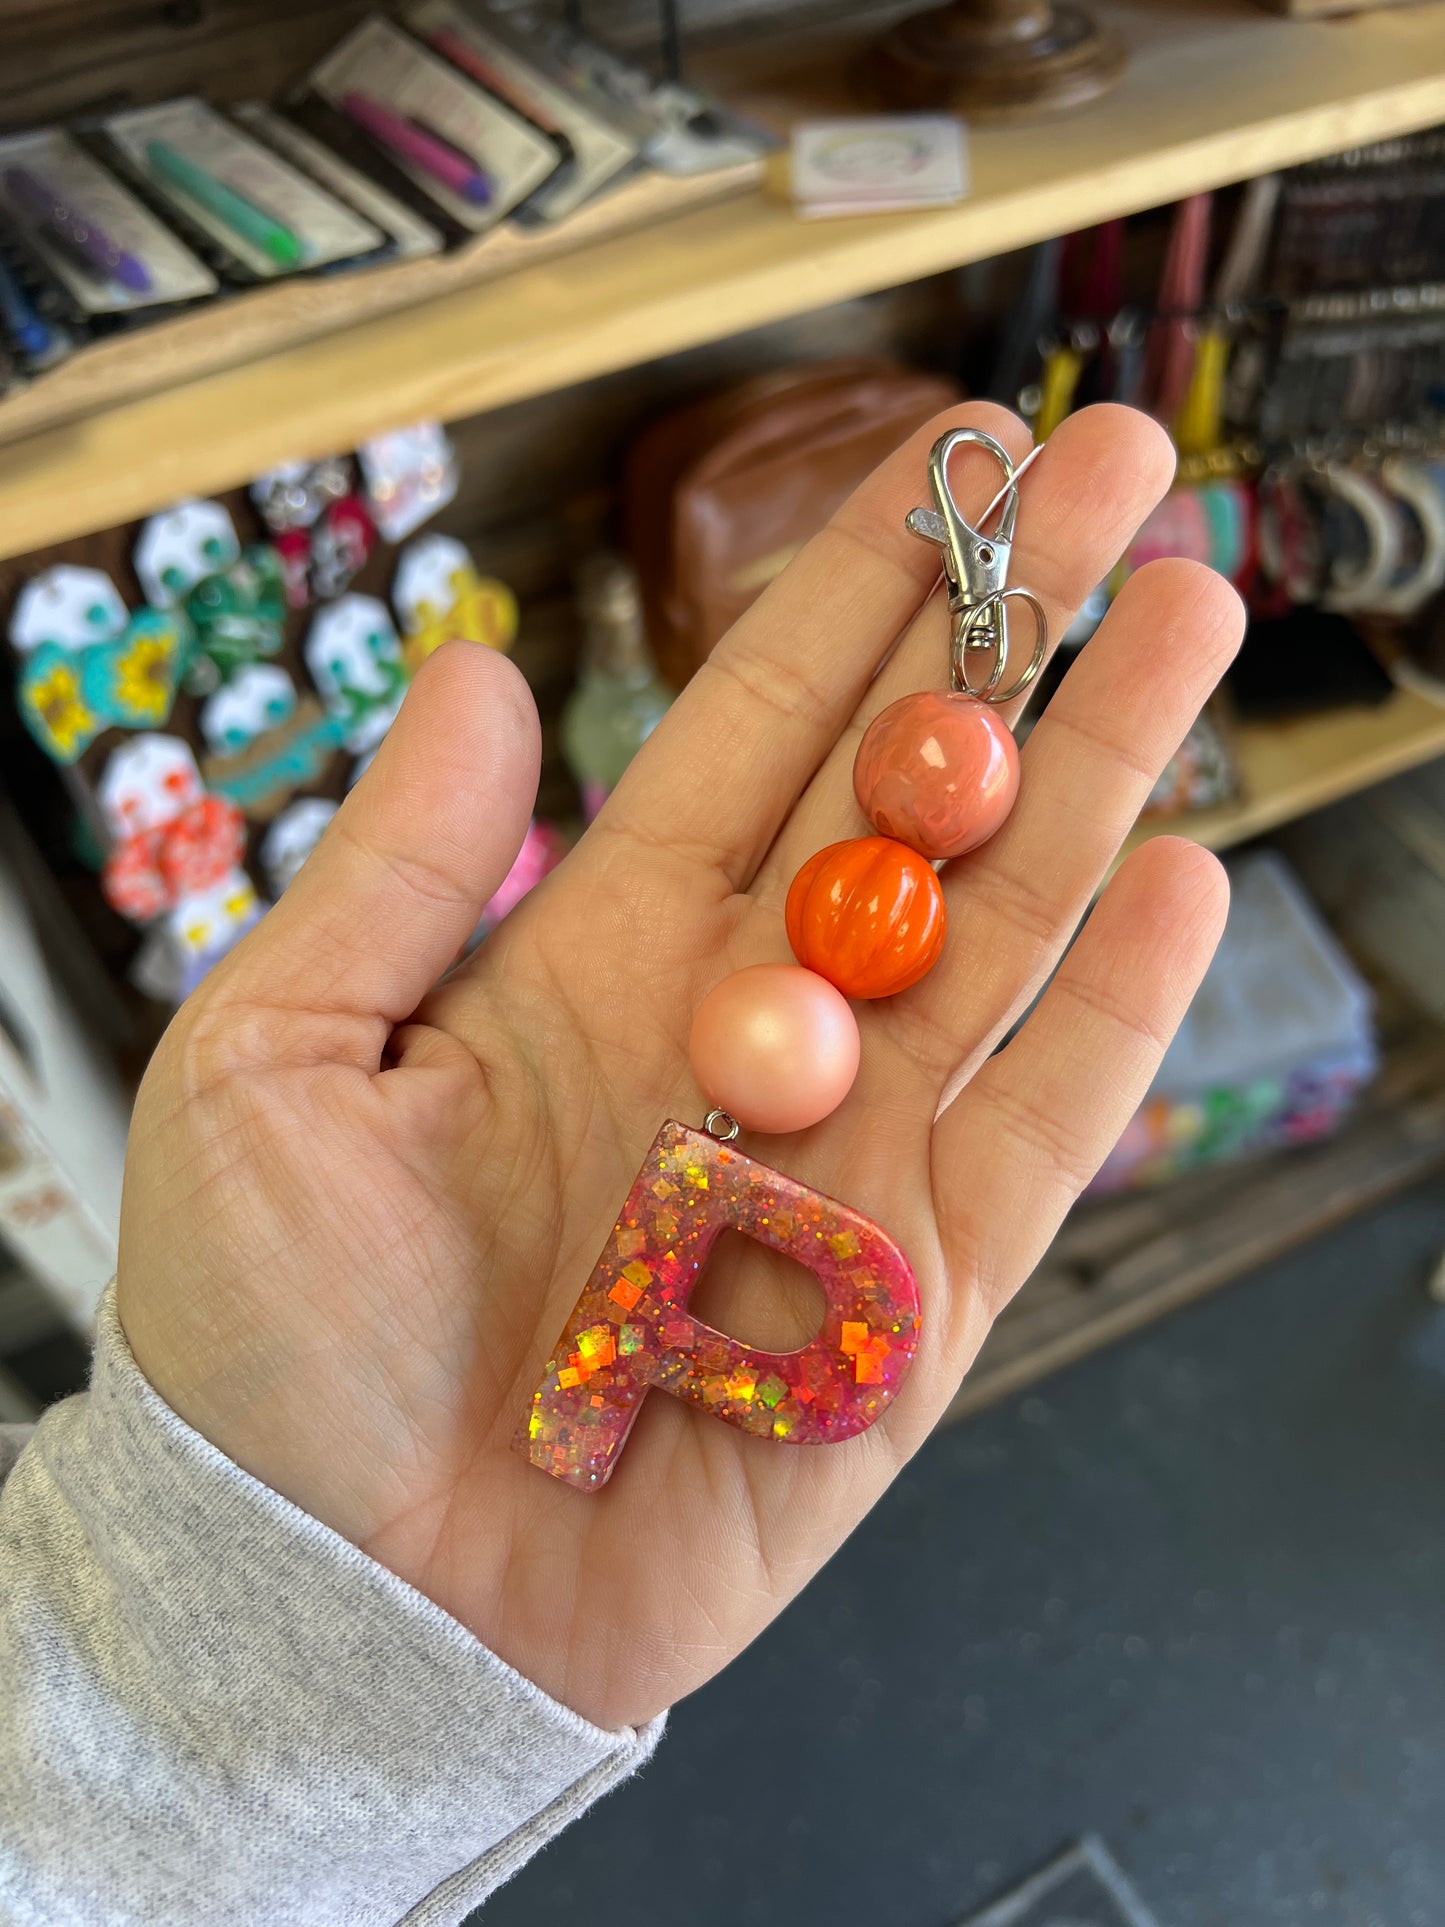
(620, 698)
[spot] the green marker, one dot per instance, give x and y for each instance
(229, 207)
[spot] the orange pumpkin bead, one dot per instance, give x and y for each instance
(868, 915)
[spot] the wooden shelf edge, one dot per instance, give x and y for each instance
(1233, 1220)
(1295, 89)
(258, 322)
(1289, 769)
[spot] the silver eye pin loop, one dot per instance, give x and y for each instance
(975, 568)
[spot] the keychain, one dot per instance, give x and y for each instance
(89, 666)
(408, 475)
(1362, 537)
(292, 837)
(320, 529)
(439, 596)
(775, 1047)
(354, 655)
(259, 698)
(238, 615)
(1415, 491)
(68, 695)
(171, 838)
(1058, 382)
(294, 495)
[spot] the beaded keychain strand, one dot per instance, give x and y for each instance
(775, 1047)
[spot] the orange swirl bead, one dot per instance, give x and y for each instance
(940, 772)
(868, 915)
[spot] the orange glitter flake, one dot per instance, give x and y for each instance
(624, 1294)
(854, 1337)
(569, 1378)
(598, 1347)
(868, 1369)
(630, 1240)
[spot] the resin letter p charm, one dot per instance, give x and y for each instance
(631, 1329)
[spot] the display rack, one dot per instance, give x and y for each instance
(1120, 1263)
(1214, 93)
(1287, 769)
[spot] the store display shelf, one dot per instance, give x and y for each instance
(1288, 769)
(1120, 1263)
(1215, 92)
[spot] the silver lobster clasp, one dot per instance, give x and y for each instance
(975, 567)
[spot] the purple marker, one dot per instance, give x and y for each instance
(74, 230)
(418, 145)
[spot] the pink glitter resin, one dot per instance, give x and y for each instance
(631, 1330)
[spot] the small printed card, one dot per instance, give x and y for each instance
(879, 164)
(464, 148)
(105, 246)
(262, 214)
(412, 236)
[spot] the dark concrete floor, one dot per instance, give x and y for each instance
(1190, 1594)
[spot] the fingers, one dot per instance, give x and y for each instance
(395, 887)
(1041, 1116)
(1087, 771)
(1080, 504)
(747, 733)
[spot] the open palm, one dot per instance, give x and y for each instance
(359, 1208)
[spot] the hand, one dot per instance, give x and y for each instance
(359, 1209)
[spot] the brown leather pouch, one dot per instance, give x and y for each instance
(719, 494)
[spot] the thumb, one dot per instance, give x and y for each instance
(395, 886)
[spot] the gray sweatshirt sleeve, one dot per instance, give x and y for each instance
(215, 1710)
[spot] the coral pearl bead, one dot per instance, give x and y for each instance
(775, 1047)
(868, 915)
(939, 773)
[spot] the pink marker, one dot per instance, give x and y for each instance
(419, 146)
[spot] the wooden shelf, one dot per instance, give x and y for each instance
(1215, 92)
(1288, 769)
(1120, 1263)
